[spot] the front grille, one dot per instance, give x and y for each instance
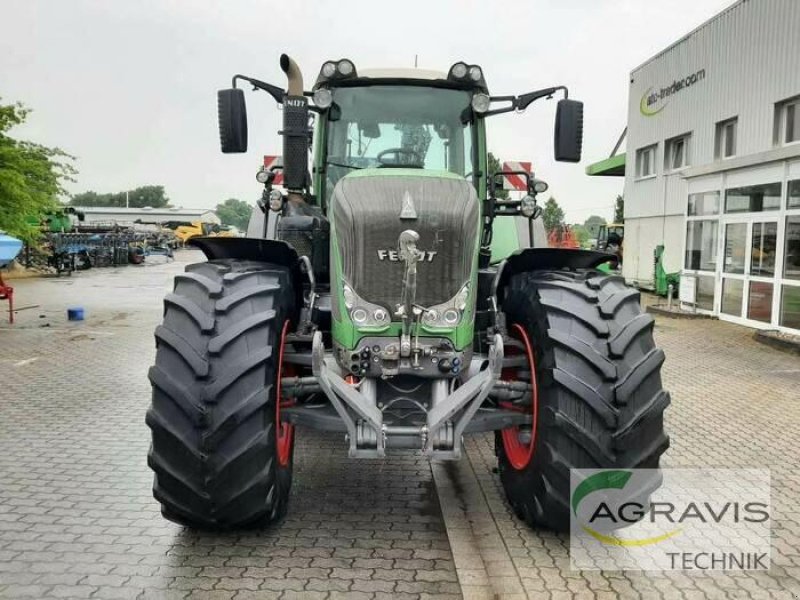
(366, 215)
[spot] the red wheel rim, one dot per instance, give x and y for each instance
(519, 454)
(284, 431)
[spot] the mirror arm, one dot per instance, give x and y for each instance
(525, 99)
(273, 90)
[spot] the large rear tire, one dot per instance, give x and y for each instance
(215, 448)
(598, 377)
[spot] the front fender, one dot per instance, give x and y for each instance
(259, 249)
(551, 259)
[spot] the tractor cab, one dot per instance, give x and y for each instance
(610, 239)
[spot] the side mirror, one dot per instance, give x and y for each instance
(232, 115)
(569, 131)
(295, 142)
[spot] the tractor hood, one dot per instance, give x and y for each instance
(370, 209)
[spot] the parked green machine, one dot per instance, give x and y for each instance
(386, 305)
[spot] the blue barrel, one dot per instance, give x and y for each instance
(75, 313)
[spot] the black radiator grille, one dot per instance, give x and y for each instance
(366, 215)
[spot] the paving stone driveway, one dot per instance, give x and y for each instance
(735, 403)
(77, 517)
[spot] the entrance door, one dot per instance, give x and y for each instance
(748, 269)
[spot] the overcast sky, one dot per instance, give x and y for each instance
(129, 87)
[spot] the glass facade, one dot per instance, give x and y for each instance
(701, 245)
(763, 249)
(732, 290)
(791, 255)
(707, 203)
(790, 307)
(793, 195)
(753, 198)
(735, 247)
(755, 230)
(705, 293)
(759, 304)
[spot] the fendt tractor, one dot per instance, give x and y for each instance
(395, 300)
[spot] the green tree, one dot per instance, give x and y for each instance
(592, 225)
(553, 214)
(495, 166)
(146, 195)
(581, 234)
(619, 210)
(234, 212)
(31, 176)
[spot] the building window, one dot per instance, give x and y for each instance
(735, 248)
(701, 245)
(794, 194)
(753, 198)
(704, 294)
(763, 249)
(787, 121)
(706, 203)
(791, 259)
(790, 307)
(676, 153)
(725, 139)
(646, 161)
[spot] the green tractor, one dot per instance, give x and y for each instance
(395, 300)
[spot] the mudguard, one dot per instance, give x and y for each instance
(551, 259)
(271, 251)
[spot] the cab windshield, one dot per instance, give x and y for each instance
(394, 126)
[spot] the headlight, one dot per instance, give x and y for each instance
(462, 297)
(262, 176)
(349, 296)
(323, 98)
(345, 67)
(527, 206)
(459, 70)
(275, 200)
(328, 69)
(480, 103)
(448, 314)
(363, 313)
(475, 73)
(539, 186)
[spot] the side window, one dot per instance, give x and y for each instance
(725, 138)
(787, 121)
(646, 161)
(676, 153)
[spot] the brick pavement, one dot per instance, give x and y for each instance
(735, 403)
(77, 518)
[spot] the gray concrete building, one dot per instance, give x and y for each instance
(712, 165)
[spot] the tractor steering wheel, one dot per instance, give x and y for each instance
(398, 161)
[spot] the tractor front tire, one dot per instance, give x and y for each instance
(598, 376)
(215, 436)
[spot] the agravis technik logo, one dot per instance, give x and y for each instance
(650, 519)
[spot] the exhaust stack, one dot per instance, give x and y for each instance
(295, 132)
(293, 74)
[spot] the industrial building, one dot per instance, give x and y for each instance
(147, 215)
(712, 165)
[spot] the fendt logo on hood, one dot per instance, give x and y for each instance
(394, 255)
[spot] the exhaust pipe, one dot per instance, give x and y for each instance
(293, 74)
(295, 135)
